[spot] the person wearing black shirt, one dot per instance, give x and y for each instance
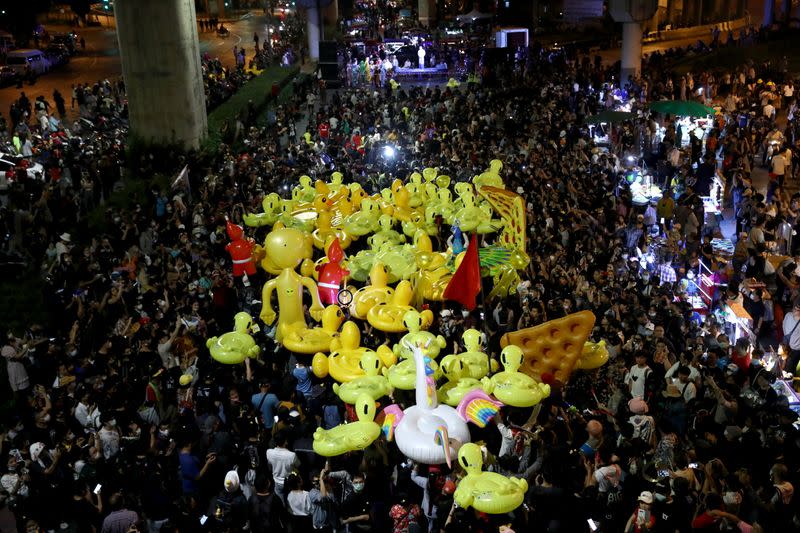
(357, 508)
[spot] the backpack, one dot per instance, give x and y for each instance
(330, 416)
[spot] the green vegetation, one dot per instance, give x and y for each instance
(259, 90)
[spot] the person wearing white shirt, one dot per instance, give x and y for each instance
(769, 110)
(637, 375)
(791, 332)
(298, 503)
(283, 461)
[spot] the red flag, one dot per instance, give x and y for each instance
(465, 284)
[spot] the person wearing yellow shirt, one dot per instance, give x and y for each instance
(665, 207)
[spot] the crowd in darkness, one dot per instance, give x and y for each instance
(680, 431)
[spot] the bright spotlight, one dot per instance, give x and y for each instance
(388, 152)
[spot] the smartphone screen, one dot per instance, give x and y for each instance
(203, 520)
(97, 488)
(592, 524)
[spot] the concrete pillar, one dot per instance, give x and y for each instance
(769, 7)
(670, 17)
(426, 10)
(161, 67)
(221, 8)
(312, 29)
(631, 51)
(331, 13)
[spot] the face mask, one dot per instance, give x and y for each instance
(46, 418)
(660, 497)
(164, 433)
(358, 487)
(113, 423)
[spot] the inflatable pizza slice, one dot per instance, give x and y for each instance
(554, 347)
(510, 207)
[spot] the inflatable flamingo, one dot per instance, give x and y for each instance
(430, 433)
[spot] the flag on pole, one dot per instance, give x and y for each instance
(465, 284)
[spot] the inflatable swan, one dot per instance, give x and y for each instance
(430, 433)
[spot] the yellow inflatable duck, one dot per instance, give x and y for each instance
(427, 259)
(313, 340)
(304, 192)
(272, 209)
(335, 185)
(349, 437)
(420, 221)
(285, 249)
(594, 355)
(372, 383)
(514, 388)
(402, 202)
(403, 374)
(235, 346)
(490, 179)
(469, 216)
(304, 220)
(388, 316)
(386, 235)
(416, 322)
(343, 364)
(400, 260)
(365, 221)
(429, 174)
(476, 362)
(325, 232)
(357, 195)
(458, 381)
(486, 492)
(416, 190)
(441, 206)
(386, 201)
(377, 292)
(487, 224)
(453, 83)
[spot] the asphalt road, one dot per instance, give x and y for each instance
(100, 60)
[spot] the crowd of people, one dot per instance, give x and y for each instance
(122, 422)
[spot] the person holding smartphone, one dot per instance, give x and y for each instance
(642, 519)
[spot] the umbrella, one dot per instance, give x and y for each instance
(610, 117)
(683, 108)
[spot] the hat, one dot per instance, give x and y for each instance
(232, 481)
(672, 391)
(731, 368)
(36, 450)
(65, 237)
(646, 497)
(638, 406)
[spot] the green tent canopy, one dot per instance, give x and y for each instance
(683, 108)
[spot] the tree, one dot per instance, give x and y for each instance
(81, 7)
(20, 18)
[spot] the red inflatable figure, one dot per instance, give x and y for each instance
(241, 251)
(331, 274)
